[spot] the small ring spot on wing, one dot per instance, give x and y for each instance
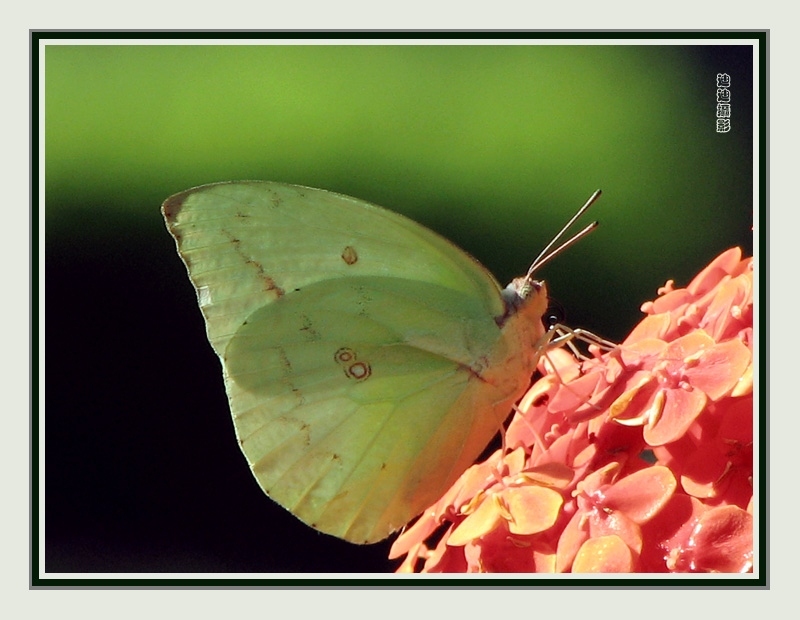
(344, 355)
(356, 370)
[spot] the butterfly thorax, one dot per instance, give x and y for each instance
(523, 335)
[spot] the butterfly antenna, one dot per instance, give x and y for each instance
(547, 254)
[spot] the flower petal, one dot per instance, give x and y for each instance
(681, 408)
(485, 518)
(533, 508)
(574, 535)
(720, 368)
(726, 263)
(607, 554)
(723, 540)
(642, 494)
(556, 475)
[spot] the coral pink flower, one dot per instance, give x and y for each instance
(638, 459)
(678, 381)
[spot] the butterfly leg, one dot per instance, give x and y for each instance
(566, 335)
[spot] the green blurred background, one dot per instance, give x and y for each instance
(492, 146)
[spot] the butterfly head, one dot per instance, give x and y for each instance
(523, 293)
(521, 289)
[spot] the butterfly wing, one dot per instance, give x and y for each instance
(362, 360)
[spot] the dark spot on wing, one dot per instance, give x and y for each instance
(349, 255)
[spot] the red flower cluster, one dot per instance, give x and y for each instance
(637, 460)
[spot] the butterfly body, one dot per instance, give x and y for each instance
(367, 360)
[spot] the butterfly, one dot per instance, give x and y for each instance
(367, 360)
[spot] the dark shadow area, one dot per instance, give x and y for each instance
(143, 470)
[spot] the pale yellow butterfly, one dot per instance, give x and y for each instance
(367, 360)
